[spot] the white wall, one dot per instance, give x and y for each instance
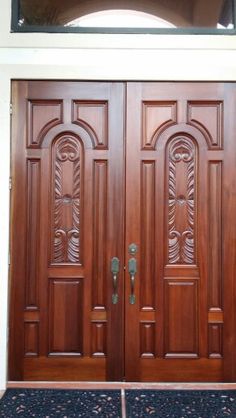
(74, 56)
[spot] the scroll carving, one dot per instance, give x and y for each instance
(67, 200)
(181, 202)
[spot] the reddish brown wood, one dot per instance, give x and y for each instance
(69, 220)
(67, 161)
(180, 197)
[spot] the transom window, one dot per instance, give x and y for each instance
(124, 16)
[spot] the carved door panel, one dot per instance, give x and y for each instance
(181, 159)
(67, 177)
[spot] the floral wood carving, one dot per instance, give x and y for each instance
(67, 154)
(181, 202)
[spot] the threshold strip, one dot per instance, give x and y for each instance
(123, 405)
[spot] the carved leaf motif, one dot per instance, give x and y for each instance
(66, 200)
(181, 242)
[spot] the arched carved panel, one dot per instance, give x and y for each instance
(93, 116)
(156, 117)
(43, 115)
(67, 175)
(181, 186)
(207, 116)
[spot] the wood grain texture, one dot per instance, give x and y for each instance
(31, 337)
(147, 339)
(61, 227)
(148, 214)
(73, 169)
(99, 284)
(181, 326)
(99, 339)
(207, 116)
(40, 122)
(216, 340)
(33, 219)
(66, 296)
(215, 235)
(93, 115)
(189, 157)
(156, 117)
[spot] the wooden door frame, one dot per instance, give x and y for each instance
(229, 251)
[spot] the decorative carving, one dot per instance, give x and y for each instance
(67, 196)
(181, 210)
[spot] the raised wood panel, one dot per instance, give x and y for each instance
(147, 339)
(67, 200)
(215, 340)
(181, 370)
(181, 187)
(99, 339)
(65, 317)
(181, 271)
(156, 117)
(31, 338)
(93, 115)
(181, 318)
(33, 220)
(65, 368)
(99, 234)
(207, 116)
(147, 284)
(215, 234)
(42, 116)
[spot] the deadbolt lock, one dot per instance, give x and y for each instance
(133, 249)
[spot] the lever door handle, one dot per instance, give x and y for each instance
(132, 265)
(115, 268)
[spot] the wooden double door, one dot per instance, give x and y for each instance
(123, 231)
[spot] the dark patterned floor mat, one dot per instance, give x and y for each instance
(180, 403)
(48, 403)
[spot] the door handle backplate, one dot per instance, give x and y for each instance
(115, 268)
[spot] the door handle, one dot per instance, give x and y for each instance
(132, 265)
(115, 268)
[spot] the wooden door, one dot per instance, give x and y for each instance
(174, 317)
(180, 212)
(67, 223)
